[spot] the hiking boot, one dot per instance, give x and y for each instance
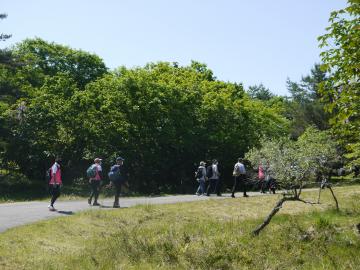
(245, 195)
(232, 196)
(89, 201)
(51, 208)
(96, 204)
(116, 206)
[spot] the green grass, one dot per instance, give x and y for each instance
(214, 234)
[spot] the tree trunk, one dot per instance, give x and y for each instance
(272, 213)
(336, 201)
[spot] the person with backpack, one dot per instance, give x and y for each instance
(55, 183)
(117, 178)
(212, 173)
(269, 179)
(200, 176)
(261, 176)
(94, 172)
(239, 174)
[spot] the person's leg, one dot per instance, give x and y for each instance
(211, 187)
(96, 192)
(51, 192)
(202, 187)
(117, 194)
(243, 183)
(56, 194)
(234, 187)
(218, 187)
(91, 191)
(272, 185)
(262, 186)
(199, 189)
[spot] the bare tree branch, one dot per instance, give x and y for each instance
(301, 200)
(336, 201)
(276, 209)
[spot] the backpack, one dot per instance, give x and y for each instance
(237, 171)
(114, 174)
(199, 173)
(91, 171)
(209, 171)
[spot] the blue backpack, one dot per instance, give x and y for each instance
(91, 171)
(114, 174)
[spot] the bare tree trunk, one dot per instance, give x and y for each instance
(336, 201)
(272, 213)
(319, 195)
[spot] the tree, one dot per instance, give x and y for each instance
(42, 59)
(294, 164)
(341, 92)
(48, 73)
(260, 92)
(304, 107)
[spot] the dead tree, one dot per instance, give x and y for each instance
(325, 184)
(293, 196)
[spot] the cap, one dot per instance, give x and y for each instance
(97, 160)
(119, 158)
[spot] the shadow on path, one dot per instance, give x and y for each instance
(66, 212)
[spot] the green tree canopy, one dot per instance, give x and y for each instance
(341, 92)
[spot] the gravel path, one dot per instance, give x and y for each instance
(16, 214)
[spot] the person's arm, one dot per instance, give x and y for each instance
(99, 168)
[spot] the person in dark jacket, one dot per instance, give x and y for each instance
(239, 174)
(117, 179)
(213, 174)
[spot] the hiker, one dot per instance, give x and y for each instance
(94, 172)
(271, 181)
(356, 171)
(239, 174)
(261, 176)
(117, 178)
(54, 183)
(200, 176)
(213, 174)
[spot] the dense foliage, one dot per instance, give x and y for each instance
(162, 118)
(296, 163)
(341, 92)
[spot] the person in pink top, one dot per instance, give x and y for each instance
(261, 177)
(95, 181)
(55, 183)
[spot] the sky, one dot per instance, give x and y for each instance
(243, 41)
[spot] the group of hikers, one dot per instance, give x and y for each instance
(210, 176)
(95, 175)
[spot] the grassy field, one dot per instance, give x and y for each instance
(213, 234)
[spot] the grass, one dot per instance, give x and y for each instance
(214, 234)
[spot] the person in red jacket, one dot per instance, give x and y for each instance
(55, 183)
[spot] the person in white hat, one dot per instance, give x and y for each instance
(200, 176)
(95, 175)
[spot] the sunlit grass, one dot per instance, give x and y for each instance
(214, 234)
